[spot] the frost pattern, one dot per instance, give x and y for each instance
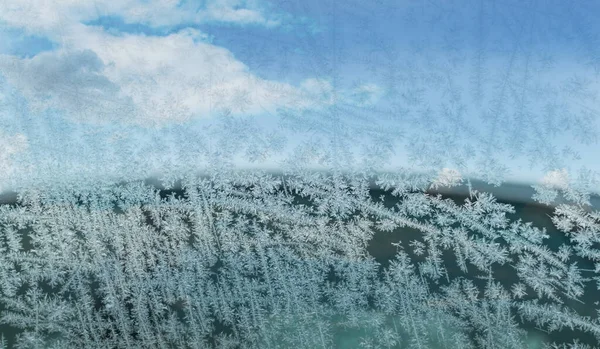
(307, 175)
(264, 261)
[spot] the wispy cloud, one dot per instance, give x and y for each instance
(46, 16)
(96, 76)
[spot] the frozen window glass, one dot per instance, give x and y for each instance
(299, 174)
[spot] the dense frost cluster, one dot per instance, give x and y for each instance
(256, 260)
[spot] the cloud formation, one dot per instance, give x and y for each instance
(95, 76)
(71, 81)
(51, 16)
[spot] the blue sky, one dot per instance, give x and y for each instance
(499, 90)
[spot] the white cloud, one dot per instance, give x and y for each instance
(71, 81)
(51, 16)
(96, 76)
